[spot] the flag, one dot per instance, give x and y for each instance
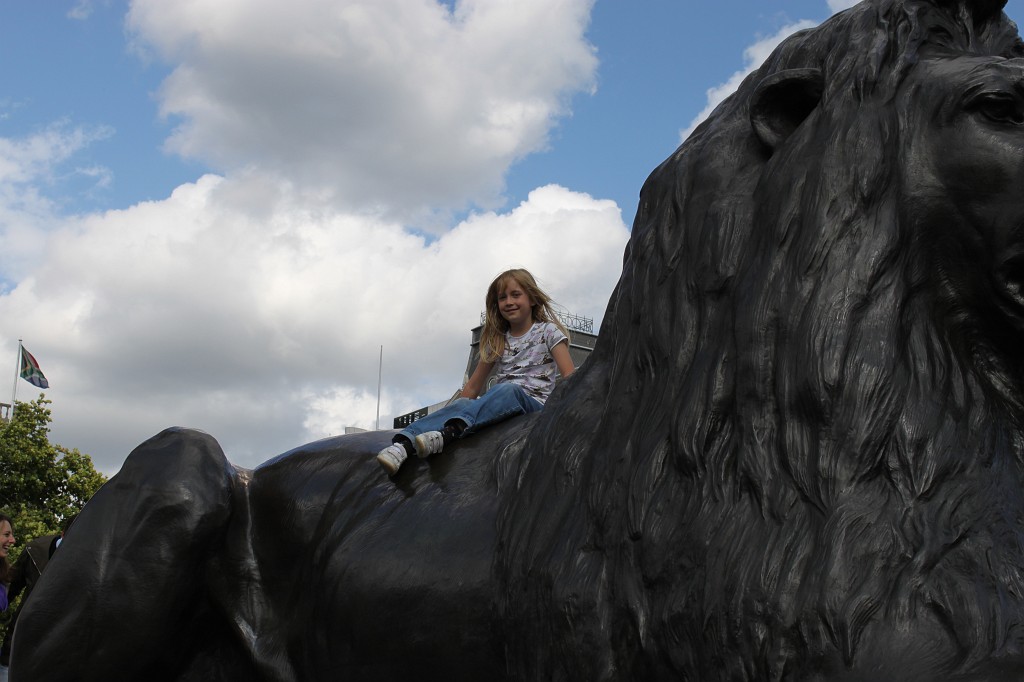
(30, 371)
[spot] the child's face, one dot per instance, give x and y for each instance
(515, 305)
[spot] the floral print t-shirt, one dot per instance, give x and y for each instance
(527, 360)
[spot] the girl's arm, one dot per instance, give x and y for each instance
(476, 382)
(563, 361)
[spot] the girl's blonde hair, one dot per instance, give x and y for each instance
(492, 337)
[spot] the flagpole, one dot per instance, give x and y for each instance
(17, 372)
(380, 365)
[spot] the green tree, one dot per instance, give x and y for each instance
(41, 484)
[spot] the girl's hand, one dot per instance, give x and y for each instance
(476, 382)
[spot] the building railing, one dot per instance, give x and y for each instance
(575, 323)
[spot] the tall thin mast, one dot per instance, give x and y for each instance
(17, 373)
(380, 365)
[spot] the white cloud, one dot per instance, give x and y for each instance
(840, 5)
(232, 307)
(34, 158)
(253, 303)
(82, 10)
(394, 106)
(753, 57)
(26, 165)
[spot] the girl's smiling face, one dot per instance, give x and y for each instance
(6, 538)
(515, 306)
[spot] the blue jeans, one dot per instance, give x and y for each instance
(501, 402)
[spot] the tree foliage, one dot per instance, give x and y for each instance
(41, 484)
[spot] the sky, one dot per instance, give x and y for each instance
(272, 221)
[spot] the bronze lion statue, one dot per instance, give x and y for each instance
(796, 453)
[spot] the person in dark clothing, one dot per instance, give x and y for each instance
(24, 575)
(7, 541)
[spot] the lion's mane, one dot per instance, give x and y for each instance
(794, 449)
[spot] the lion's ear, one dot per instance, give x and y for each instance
(781, 103)
(981, 10)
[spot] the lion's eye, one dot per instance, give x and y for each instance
(1000, 109)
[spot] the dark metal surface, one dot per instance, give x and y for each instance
(795, 454)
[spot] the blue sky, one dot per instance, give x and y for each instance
(214, 213)
(60, 70)
(71, 63)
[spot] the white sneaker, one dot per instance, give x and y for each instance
(391, 458)
(429, 443)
